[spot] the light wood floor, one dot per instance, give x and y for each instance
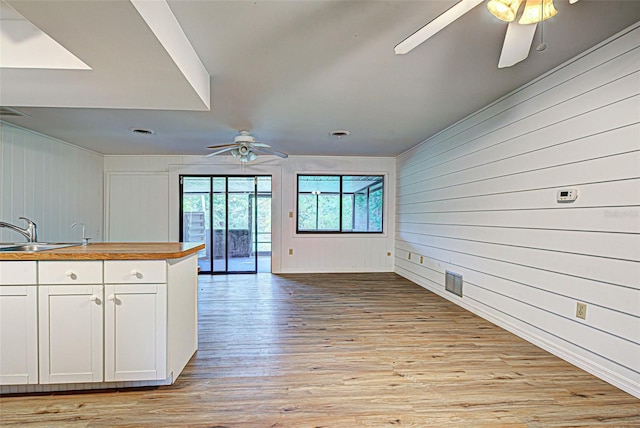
(345, 351)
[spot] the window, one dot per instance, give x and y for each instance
(340, 203)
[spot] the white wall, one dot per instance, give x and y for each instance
(51, 182)
(320, 253)
(479, 199)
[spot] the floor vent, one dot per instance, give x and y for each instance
(453, 283)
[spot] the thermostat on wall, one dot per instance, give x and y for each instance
(567, 195)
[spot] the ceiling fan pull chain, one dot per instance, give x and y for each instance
(542, 46)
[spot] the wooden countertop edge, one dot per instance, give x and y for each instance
(99, 252)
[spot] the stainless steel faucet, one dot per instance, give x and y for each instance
(30, 232)
(85, 240)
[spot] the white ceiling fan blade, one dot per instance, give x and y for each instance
(517, 44)
(573, 1)
(226, 149)
(450, 15)
(257, 144)
(272, 152)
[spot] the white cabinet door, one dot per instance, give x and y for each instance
(18, 334)
(135, 332)
(71, 333)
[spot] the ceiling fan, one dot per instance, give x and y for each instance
(244, 146)
(518, 39)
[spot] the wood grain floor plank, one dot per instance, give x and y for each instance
(344, 350)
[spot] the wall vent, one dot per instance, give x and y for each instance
(453, 283)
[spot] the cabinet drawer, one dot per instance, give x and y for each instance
(135, 271)
(70, 272)
(18, 273)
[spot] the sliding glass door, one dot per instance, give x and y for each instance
(232, 215)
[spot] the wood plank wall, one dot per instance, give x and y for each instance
(52, 182)
(479, 199)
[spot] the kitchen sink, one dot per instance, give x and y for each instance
(34, 246)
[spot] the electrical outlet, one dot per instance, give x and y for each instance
(581, 310)
(421, 259)
(409, 258)
(388, 253)
(291, 251)
(290, 214)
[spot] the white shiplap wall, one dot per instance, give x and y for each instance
(321, 253)
(130, 196)
(337, 253)
(479, 199)
(51, 182)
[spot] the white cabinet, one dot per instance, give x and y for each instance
(98, 321)
(135, 320)
(70, 272)
(135, 271)
(70, 324)
(18, 323)
(135, 332)
(71, 333)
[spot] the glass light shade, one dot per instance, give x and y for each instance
(235, 153)
(251, 156)
(505, 10)
(537, 10)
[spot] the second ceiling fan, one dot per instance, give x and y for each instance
(520, 34)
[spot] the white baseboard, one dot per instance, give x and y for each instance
(615, 379)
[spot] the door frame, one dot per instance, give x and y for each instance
(254, 226)
(222, 166)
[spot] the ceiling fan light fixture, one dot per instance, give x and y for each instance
(537, 11)
(504, 10)
(248, 157)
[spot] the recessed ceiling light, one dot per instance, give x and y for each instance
(339, 133)
(142, 131)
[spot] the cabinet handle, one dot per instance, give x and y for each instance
(136, 273)
(95, 299)
(71, 274)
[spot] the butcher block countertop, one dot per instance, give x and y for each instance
(111, 251)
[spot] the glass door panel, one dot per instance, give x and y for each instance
(232, 216)
(196, 216)
(263, 235)
(241, 233)
(219, 237)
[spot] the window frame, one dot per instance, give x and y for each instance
(341, 196)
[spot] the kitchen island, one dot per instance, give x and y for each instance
(105, 315)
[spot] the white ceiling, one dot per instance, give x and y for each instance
(289, 71)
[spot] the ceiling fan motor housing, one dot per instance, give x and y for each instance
(244, 137)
